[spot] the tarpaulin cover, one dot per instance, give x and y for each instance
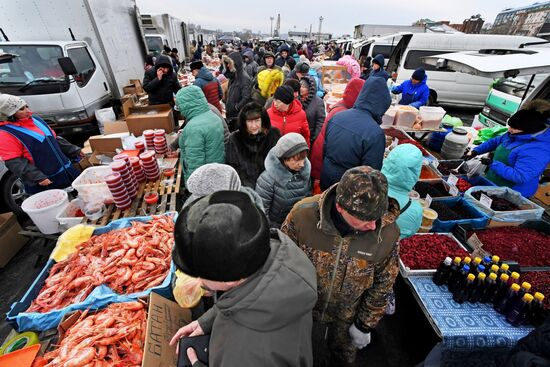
(101, 296)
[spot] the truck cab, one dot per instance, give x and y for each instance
(155, 43)
(68, 103)
(519, 75)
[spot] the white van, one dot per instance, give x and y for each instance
(530, 65)
(448, 87)
(373, 46)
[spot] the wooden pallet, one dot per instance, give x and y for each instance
(167, 200)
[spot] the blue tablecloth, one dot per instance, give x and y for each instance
(466, 326)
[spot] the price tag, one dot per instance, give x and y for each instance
(435, 163)
(453, 190)
(476, 245)
(428, 200)
(452, 180)
(394, 143)
(486, 201)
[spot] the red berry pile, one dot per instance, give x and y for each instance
(462, 185)
(427, 251)
(416, 144)
(527, 246)
(540, 282)
(395, 133)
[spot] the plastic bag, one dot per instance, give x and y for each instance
(103, 115)
(488, 133)
(187, 291)
(454, 121)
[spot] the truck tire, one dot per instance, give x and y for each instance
(13, 194)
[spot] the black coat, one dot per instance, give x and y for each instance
(239, 90)
(532, 350)
(161, 91)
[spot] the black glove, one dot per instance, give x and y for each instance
(486, 161)
(469, 155)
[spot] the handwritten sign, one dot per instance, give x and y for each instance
(452, 180)
(435, 163)
(428, 200)
(476, 245)
(486, 201)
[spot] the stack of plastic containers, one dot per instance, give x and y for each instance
(159, 142)
(126, 159)
(140, 146)
(150, 166)
(128, 178)
(117, 187)
(139, 173)
(149, 136)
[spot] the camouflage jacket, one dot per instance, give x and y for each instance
(355, 273)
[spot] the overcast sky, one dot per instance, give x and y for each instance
(340, 16)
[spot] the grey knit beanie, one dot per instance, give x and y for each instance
(213, 177)
(289, 145)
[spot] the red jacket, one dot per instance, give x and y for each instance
(292, 121)
(350, 95)
(211, 92)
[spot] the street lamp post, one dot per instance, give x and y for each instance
(271, 32)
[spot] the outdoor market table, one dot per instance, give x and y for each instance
(465, 327)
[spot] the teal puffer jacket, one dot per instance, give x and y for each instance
(402, 169)
(201, 140)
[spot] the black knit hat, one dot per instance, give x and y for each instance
(528, 121)
(302, 67)
(221, 237)
(196, 65)
(284, 94)
(293, 83)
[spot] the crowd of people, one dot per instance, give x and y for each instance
(292, 214)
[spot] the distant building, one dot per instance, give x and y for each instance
(302, 37)
(375, 30)
(532, 20)
(473, 25)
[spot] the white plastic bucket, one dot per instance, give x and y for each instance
(67, 217)
(43, 208)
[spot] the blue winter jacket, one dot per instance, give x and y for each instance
(320, 89)
(414, 95)
(381, 73)
(354, 137)
(529, 157)
(402, 169)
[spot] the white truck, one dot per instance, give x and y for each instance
(67, 59)
(164, 30)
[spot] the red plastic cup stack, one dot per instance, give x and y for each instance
(140, 146)
(149, 164)
(116, 185)
(120, 167)
(139, 173)
(161, 147)
(149, 136)
(126, 159)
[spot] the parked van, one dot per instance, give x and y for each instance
(520, 75)
(373, 46)
(448, 87)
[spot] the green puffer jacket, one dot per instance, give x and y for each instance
(402, 169)
(201, 140)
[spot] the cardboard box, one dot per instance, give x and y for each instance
(10, 239)
(134, 87)
(137, 84)
(164, 318)
(93, 159)
(107, 143)
(150, 117)
(115, 127)
(543, 194)
(127, 105)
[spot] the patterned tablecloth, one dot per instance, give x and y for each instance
(465, 326)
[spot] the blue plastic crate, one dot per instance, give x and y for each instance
(100, 297)
(448, 226)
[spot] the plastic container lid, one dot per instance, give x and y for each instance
(118, 166)
(527, 297)
(482, 276)
(493, 276)
(429, 214)
(539, 296)
(121, 157)
(113, 178)
(471, 277)
(505, 267)
(480, 268)
(526, 285)
(477, 260)
(467, 260)
(494, 268)
(504, 277)
(515, 275)
(448, 260)
(459, 131)
(495, 259)
(148, 132)
(457, 259)
(515, 287)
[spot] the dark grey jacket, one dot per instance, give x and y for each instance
(315, 109)
(280, 189)
(238, 92)
(266, 321)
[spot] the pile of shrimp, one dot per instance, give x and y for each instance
(114, 336)
(128, 260)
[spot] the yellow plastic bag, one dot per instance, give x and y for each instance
(187, 291)
(67, 242)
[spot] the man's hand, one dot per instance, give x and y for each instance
(359, 339)
(82, 154)
(192, 329)
(192, 355)
(160, 73)
(45, 182)
(469, 155)
(486, 161)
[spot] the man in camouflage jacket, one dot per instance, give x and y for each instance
(350, 235)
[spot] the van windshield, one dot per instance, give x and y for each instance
(33, 64)
(516, 86)
(154, 44)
